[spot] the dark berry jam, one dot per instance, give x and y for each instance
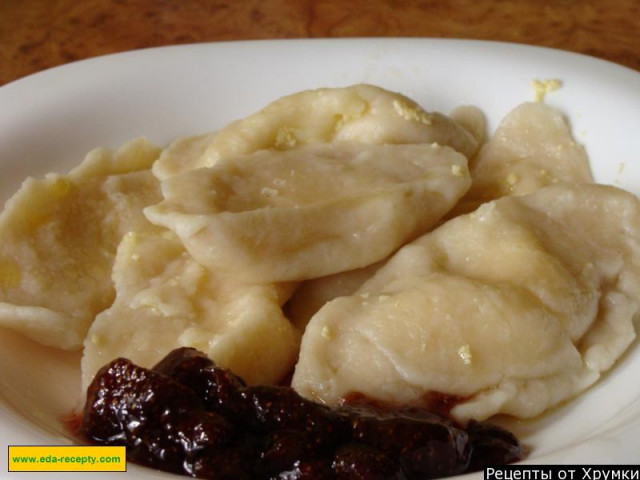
(190, 417)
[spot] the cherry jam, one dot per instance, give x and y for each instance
(188, 416)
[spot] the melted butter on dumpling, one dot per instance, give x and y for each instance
(166, 300)
(532, 148)
(514, 308)
(59, 238)
(310, 211)
(362, 113)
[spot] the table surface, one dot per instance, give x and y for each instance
(38, 34)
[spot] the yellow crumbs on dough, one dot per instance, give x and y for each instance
(542, 87)
(457, 171)
(412, 113)
(327, 332)
(286, 138)
(512, 179)
(464, 352)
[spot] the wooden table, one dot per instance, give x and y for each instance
(38, 34)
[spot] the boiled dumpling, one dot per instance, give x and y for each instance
(166, 300)
(531, 149)
(511, 309)
(59, 238)
(312, 294)
(310, 211)
(362, 113)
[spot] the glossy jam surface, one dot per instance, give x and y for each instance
(190, 417)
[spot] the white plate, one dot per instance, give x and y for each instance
(48, 121)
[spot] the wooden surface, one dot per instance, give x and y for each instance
(38, 34)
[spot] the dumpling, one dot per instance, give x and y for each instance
(310, 211)
(59, 238)
(510, 309)
(361, 113)
(312, 294)
(531, 149)
(166, 300)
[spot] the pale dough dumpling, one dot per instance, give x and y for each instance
(166, 300)
(362, 113)
(512, 309)
(531, 149)
(59, 238)
(312, 294)
(310, 211)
